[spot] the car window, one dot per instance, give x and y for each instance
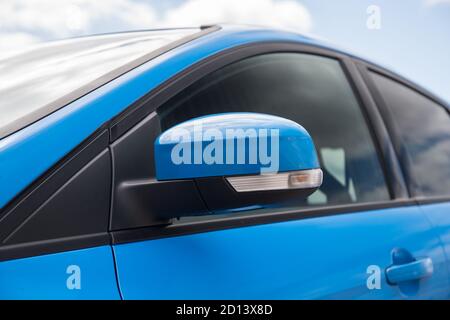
(423, 129)
(310, 90)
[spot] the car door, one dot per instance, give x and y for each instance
(421, 128)
(341, 242)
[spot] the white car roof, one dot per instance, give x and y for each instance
(36, 82)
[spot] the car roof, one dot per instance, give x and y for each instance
(33, 82)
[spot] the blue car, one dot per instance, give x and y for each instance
(221, 162)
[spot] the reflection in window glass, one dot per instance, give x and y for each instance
(424, 130)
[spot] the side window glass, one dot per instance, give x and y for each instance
(423, 129)
(310, 90)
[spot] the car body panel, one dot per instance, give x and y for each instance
(438, 214)
(47, 276)
(317, 258)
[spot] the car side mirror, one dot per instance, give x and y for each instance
(240, 160)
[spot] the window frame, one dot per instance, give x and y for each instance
(366, 68)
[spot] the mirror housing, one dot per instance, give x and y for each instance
(233, 144)
(240, 160)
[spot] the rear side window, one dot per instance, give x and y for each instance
(310, 90)
(422, 128)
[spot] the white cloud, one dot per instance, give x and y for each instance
(284, 13)
(23, 22)
(60, 18)
(55, 19)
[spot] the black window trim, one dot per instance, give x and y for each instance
(252, 220)
(392, 166)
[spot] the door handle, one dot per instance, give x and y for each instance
(415, 270)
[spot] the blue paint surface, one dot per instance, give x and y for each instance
(28, 153)
(45, 277)
(290, 148)
(439, 216)
(317, 258)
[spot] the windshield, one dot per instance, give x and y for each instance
(39, 81)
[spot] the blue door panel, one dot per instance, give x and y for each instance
(80, 274)
(439, 215)
(314, 258)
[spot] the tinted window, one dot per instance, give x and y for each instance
(311, 90)
(423, 129)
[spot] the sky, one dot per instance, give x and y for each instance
(411, 37)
